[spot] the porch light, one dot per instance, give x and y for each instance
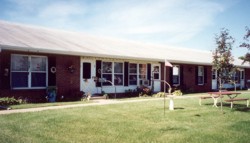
(71, 69)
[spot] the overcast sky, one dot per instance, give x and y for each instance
(183, 23)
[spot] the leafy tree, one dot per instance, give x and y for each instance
(222, 57)
(245, 44)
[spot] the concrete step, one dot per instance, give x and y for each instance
(97, 97)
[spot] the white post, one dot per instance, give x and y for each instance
(171, 103)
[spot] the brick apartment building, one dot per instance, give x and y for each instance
(33, 58)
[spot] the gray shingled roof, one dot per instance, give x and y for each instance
(39, 39)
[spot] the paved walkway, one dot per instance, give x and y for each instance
(99, 102)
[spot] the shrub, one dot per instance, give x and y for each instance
(22, 100)
(177, 93)
(144, 91)
(106, 96)
(8, 101)
(159, 94)
(131, 92)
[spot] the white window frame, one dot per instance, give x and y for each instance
(178, 74)
(113, 72)
(143, 81)
(156, 72)
(201, 74)
(214, 74)
(30, 71)
(133, 74)
(119, 74)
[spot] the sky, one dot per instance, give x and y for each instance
(178, 23)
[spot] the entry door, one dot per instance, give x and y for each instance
(156, 75)
(214, 79)
(87, 73)
(242, 78)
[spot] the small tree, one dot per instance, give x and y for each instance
(222, 58)
(245, 44)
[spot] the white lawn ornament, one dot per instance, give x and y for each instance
(171, 102)
(88, 96)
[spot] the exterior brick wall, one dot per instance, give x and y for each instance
(67, 83)
(188, 79)
(167, 71)
(5, 88)
(247, 77)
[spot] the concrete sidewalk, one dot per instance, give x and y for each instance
(99, 102)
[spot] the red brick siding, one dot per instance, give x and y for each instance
(63, 79)
(247, 77)
(188, 82)
(5, 88)
(67, 82)
(189, 79)
(5, 64)
(167, 71)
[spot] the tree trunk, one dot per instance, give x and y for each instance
(220, 94)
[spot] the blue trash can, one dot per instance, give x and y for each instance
(51, 93)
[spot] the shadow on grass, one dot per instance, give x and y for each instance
(179, 108)
(236, 107)
(242, 109)
(209, 104)
(172, 128)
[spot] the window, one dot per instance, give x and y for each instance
(176, 75)
(107, 72)
(242, 74)
(236, 76)
(28, 71)
(214, 74)
(156, 72)
(200, 75)
(118, 73)
(112, 72)
(142, 74)
(132, 74)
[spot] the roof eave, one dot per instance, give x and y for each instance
(75, 53)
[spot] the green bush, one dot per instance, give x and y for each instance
(177, 93)
(8, 101)
(131, 92)
(159, 94)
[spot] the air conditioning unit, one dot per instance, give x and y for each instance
(144, 82)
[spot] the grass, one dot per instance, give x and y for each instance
(36, 105)
(131, 122)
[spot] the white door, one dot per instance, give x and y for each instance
(156, 76)
(87, 74)
(242, 78)
(214, 79)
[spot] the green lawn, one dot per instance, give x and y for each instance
(36, 105)
(131, 122)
